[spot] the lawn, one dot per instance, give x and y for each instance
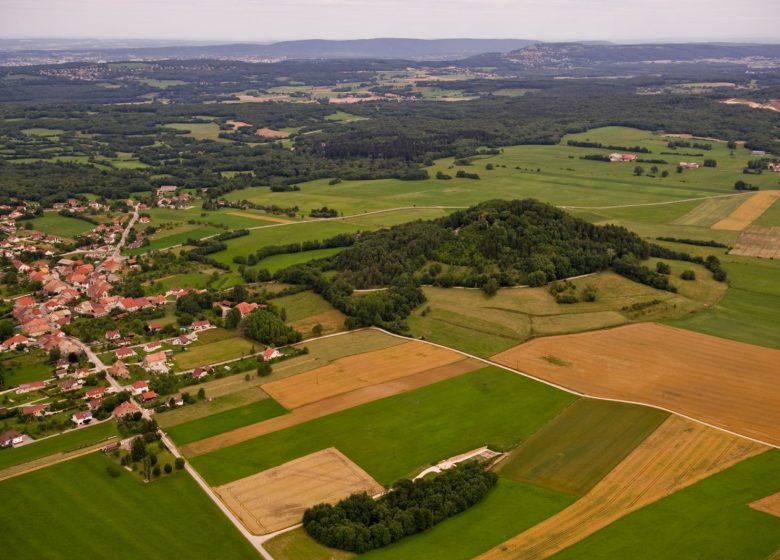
(52, 223)
(214, 346)
(75, 509)
(710, 519)
(191, 280)
(510, 508)
(488, 406)
(580, 446)
(225, 421)
(24, 368)
(69, 441)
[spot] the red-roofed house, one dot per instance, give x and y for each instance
(199, 373)
(139, 387)
(11, 438)
(82, 417)
(95, 393)
(157, 362)
(184, 340)
(201, 325)
(271, 353)
(148, 396)
(32, 386)
(126, 408)
(122, 353)
(119, 369)
(36, 410)
(14, 342)
(94, 404)
(152, 346)
(113, 335)
(246, 308)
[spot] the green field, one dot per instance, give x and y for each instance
(69, 441)
(179, 238)
(771, 217)
(278, 262)
(488, 406)
(44, 132)
(75, 509)
(199, 131)
(52, 223)
(510, 508)
(342, 116)
(225, 421)
(214, 346)
(24, 368)
(710, 519)
(191, 280)
(580, 446)
(211, 405)
(306, 309)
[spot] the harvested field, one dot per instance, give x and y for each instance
(751, 209)
(711, 211)
(730, 384)
(356, 372)
(770, 505)
(757, 241)
(271, 133)
(236, 124)
(678, 454)
(261, 217)
(276, 499)
(329, 406)
(580, 446)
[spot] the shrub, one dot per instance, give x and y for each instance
(179, 462)
(663, 268)
(168, 468)
(156, 470)
(688, 275)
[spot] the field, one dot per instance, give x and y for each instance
(769, 504)
(46, 511)
(575, 450)
(678, 454)
(771, 217)
(215, 346)
(508, 509)
(362, 370)
(711, 211)
(278, 262)
(757, 241)
(69, 441)
(307, 309)
(199, 131)
(748, 211)
(24, 368)
(438, 421)
(730, 384)
(452, 316)
(52, 223)
(225, 421)
(710, 519)
(276, 498)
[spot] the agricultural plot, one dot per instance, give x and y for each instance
(45, 511)
(21, 368)
(770, 505)
(275, 499)
(710, 519)
(757, 241)
(362, 370)
(214, 346)
(711, 211)
(749, 211)
(237, 393)
(52, 223)
(305, 310)
(580, 446)
(441, 420)
(771, 217)
(678, 454)
(729, 384)
(225, 421)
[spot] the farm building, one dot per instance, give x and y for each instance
(10, 438)
(271, 353)
(622, 158)
(119, 369)
(688, 165)
(81, 417)
(123, 353)
(157, 362)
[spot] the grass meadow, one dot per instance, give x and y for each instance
(51, 223)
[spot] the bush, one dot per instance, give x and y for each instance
(688, 275)
(168, 468)
(156, 470)
(179, 462)
(663, 268)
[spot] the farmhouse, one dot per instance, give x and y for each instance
(82, 417)
(123, 353)
(774, 167)
(622, 158)
(270, 354)
(14, 342)
(201, 325)
(125, 409)
(688, 165)
(246, 308)
(10, 438)
(157, 362)
(33, 386)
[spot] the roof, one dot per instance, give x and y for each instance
(268, 352)
(149, 395)
(82, 415)
(10, 434)
(152, 358)
(140, 384)
(15, 339)
(127, 407)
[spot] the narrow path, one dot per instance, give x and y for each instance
(50, 460)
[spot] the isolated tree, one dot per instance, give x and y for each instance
(688, 275)
(654, 170)
(316, 330)
(239, 293)
(264, 369)
(201, 393)
(138, 449)
(168, 468)
(179, 462)
(639, 170)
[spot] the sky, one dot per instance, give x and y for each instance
(266, 20)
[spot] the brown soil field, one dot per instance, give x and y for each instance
(729, 384)
(748, 211)
(236, 124)
(271, 133)
(757, 241)
(329, 406)
(361, 370)
(770, 505)
(260, 217)
(276, 499)
(678, 454)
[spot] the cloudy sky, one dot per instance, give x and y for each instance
(267, 20)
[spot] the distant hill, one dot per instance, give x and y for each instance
(384, 48)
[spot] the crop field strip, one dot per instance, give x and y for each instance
(276, 498)
(749, 211)
(770, 504)
(728, 384)
(678, 454)
(758, 241)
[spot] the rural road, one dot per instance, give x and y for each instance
(126, 232)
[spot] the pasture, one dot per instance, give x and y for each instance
(51, 223)
(45, 511)
(225, 421)
(307, 309)
(21, 368)
(678, 454)
(711, 519)
(485, 406)
(213, 346)
(276, 499)
(576, 449)
(729, 384)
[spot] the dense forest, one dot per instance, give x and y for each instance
(359, 523)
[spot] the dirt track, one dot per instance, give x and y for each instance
(729, 384)
(748, 211)
(678, 454)
(276, 498)
(358, 371)
(49, 460)
(331, 405)
(263, 217)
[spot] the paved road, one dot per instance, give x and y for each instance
(130, 224)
